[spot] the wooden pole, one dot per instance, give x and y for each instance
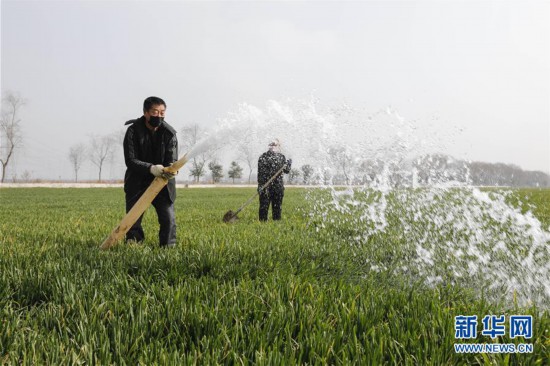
(141, 205)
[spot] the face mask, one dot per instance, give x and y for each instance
(155, 121)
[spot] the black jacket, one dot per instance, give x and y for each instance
(270, 163)
(142, 148)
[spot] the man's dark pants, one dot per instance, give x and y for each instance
(166, 217)
(273, 196)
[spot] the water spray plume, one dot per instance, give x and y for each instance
(384, 180)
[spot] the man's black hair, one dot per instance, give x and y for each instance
(151, 101)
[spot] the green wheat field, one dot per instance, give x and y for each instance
(245, 293)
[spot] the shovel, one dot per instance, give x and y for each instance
(231, 216)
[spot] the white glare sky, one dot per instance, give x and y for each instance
(86, 66)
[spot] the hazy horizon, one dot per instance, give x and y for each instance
(480, 70)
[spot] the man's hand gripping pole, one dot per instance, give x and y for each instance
(143, 203)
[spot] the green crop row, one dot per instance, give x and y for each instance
(243, 293)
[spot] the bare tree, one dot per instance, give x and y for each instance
(77, 155)
(248, 155)
(101, 150)
(343, 161)
(293, 175)
(118, 161)
(307, 172)
(10, 129)
(26, 176)
(327, 176)
(190, 136)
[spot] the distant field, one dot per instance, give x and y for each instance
(246, 293)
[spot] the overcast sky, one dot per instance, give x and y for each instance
(86, 66)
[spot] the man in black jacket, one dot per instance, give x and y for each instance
(150, 144)
(269, 164)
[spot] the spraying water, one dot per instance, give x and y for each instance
(404, 208)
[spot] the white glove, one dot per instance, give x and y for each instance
(156, 170)
(168, 175)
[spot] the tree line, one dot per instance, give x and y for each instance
(429, 170)
(342, 168)
(100, 151)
